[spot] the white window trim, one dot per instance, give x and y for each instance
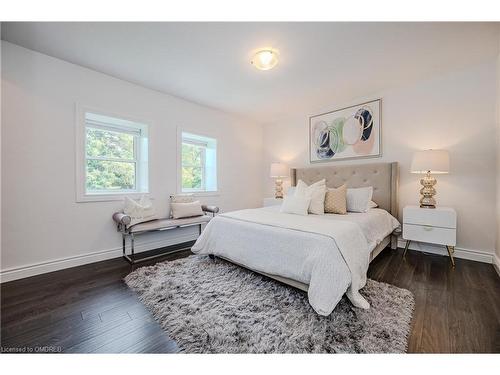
(203, 193)
(80, 160)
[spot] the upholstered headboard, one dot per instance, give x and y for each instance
(382, 176)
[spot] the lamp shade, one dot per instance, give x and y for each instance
(279, 170)
(434, 161)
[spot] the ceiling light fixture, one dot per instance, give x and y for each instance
(265, 59)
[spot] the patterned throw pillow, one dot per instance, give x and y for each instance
(336, 200)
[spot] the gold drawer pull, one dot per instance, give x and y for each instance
(427, 228)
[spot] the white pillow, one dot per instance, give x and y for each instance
(182, 198)
(190, 209)
(316, 192)
(139, 212)
(291, 190)
(297, 205)
(358, 199)
(372, 204)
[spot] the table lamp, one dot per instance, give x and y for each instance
(279, 171)
(429, 161)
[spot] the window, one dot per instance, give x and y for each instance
(115, 157)
(198, 163)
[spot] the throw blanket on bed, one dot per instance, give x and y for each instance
(342, 236)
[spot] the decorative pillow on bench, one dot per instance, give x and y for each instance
(185, 205)
(139, 212)
(182, 198)
(188, 209)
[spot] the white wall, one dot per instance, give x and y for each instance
(456, 112)
(42, 223)
(1, 89)
(44, 228)
(497, 260)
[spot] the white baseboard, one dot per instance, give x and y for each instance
(476, 255)
(16, 273)
(496, 263)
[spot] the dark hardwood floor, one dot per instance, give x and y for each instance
(89, 308)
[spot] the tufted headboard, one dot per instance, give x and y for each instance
(382, 176)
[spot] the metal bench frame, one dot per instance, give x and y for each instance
(125, 231)
(132, 242)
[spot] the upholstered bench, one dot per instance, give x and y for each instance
(123, 226)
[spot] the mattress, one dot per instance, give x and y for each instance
(290, 246)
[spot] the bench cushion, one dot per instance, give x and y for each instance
(168, 223)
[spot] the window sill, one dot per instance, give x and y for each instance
(110, 197)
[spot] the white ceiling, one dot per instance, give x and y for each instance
(208, 63)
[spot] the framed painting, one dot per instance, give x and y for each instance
(348, 133)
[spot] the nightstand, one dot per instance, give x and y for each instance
(432, 225)
(272, 202)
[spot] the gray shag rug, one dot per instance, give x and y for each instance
(213, 306)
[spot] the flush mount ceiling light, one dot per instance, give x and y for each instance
(265, 59)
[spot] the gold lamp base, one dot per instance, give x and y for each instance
(279, 189)
(427, 192)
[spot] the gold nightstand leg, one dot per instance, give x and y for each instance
(406, 247)
(451, 250)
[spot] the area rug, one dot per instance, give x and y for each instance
(213, 306)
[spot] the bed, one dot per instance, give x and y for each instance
(325, 255)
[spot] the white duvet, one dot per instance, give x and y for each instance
(330, 253)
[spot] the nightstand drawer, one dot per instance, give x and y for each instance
(430, 234)
(438, 217)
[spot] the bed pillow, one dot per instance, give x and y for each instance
(316, 194)
(297, 205)
(291, 190)
(140, 211)
(189, 209)
(372, 204)
(336, 200)
(358, 199)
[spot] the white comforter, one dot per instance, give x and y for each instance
(330, 253)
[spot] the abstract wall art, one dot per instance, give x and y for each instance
(347, 133)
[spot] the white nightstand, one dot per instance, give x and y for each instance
(272, 202)
(432, 225)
